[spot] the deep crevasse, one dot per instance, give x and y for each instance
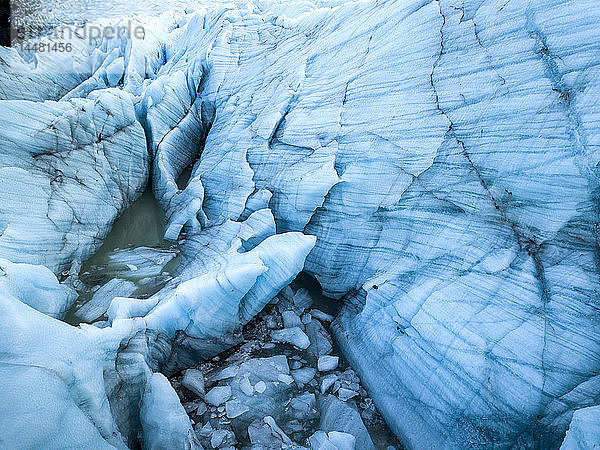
(444, 155)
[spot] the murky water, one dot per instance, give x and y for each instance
(133, 261)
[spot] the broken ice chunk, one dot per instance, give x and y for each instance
(234, 408)
(193, 379)
(302, 299)
(199, 407)
(342, 417)
(304, 406)
(327, 362)
(584, 430)
(100, 301)
(217, 438)
(285, 378)
(303, 376)
(320, 315)
(218, 395)
(227, 372)
(342, 441)
(275, 428)
(294, 336)
(321, 441)
(266, 434)
(291, 319)
(346, 394)
(246, 387)
(295, 364)
(165, 424)
(327, 381)
(320, 341)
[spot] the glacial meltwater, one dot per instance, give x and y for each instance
(133, 261)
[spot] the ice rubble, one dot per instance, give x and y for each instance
(443, 153)
(253, 395)
(104, 371)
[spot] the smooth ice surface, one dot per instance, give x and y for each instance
(35, 286)
(165, 423)
(443, 153)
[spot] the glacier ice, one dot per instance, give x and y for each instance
(165, 423)
(584, 430)
(443, 153)
(67, 170)
(336, 416)
(36, 286)
(53, 381)
(100, 374)
(97, 306)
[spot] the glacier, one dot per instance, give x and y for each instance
(433, 164)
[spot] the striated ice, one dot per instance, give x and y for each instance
(444, 154)
(108, 369)
(227, 274)
(62, 190)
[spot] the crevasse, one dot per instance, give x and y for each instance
(432, 164)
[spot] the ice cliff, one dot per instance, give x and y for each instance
(443, 153)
